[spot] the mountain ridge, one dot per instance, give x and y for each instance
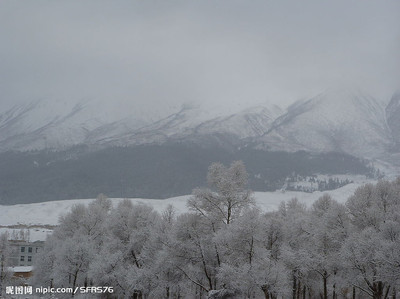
(342, 120)
(332, 121)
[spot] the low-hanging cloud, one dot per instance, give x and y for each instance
(171, 52)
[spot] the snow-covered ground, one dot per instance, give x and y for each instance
(48, 213)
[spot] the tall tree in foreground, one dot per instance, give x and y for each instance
(228, 195)
(249, 267)
(214, 208)
(327, 230)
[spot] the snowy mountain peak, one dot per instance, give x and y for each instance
(345, 120)
(60, 124)
(336, 120)
(53, 124)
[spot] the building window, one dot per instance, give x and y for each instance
(29, 249)
(29, 259)
(22, 258)
(37, 249)
(22, 249)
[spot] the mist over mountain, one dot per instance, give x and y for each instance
(341, 120)
(60, 150)
(393, 119)
(338, 120)
(60, 124)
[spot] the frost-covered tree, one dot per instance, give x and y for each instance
(194, 253)
(68, 253)
(389, 255)
(361, 252)
(72, 260)
(224, 246)
(371, 205)
(228, 196)
(199, 257)
(294, 251)
(327, 230)
(370, 249)
(165, 280)
(122, 260)
(248, 266)
(5, 252)
(45, 264)
(273, 233)
(239, 244)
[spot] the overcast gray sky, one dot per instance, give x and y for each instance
(170, 52)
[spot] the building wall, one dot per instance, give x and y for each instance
(23, 253)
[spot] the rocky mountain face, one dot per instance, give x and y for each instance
(337, 120)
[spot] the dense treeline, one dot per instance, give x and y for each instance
(27, 177)
(225, 247)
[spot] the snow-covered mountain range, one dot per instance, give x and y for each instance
(340, 121)
(336, 120)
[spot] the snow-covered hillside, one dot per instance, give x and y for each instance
(59, 124)
(337, 120)
(393, 118)
(193, 123)
(342, 120)
(48, 213)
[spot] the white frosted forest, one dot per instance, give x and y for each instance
(226, 247)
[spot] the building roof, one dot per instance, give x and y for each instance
(20, 269)
(24, 242)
